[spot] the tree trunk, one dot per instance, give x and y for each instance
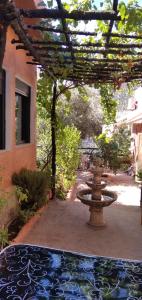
(53, 139)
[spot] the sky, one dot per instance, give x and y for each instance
(97, 2)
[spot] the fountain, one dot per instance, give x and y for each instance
(97, 198)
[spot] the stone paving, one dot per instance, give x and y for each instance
(63, 224)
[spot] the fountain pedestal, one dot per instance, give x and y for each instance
(96, 217)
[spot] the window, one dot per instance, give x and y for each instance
(22, 112)
(2, 109)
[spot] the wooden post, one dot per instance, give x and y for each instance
(3, 33)
(53, 139)
(141, 202)
(3, 29)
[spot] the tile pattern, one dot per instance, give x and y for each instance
(31, 272)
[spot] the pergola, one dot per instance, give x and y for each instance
(62, 52)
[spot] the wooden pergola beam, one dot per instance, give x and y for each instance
(64, 14)
(81, 74)
(82, 65)
(28, 45)
(89, 44)
(115, 4)
(85, 33)
(4, 22)
(9, 15)
(58, 54)
(55, 30)
(67, 59)
(43, 50)
(65, 29)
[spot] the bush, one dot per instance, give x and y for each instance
(32, 184)
(139, 174)
(25, 215)
(114, 149)
(68, 157)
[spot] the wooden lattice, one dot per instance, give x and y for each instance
(67, 56)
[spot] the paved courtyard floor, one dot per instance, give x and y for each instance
(63, 224)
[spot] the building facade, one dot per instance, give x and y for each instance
(17, 114)
(133, 118)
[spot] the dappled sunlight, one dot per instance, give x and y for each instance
(77, 200)
(84, 174)
(127, 195)
(81, 186)
(127, 191)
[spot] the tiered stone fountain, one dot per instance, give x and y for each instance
(97, 198)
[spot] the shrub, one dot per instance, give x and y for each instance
(114, 148)
(32, 184)
(25, 215)
(139, 174)
(68, 141)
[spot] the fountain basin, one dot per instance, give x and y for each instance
(96, 206)
(108, 198)
(100, 186)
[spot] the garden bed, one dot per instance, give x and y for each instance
(14, 228)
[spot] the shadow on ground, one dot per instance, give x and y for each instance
(63, 225)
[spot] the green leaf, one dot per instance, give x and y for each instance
(67, 6)
(50, 3)
(122, 10)
(120, 25)
(68, 94)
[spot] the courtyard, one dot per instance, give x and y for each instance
(62, 224)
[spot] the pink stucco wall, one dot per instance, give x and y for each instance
(14, 157)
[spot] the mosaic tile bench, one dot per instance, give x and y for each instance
(31, 272)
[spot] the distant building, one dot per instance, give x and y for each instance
(88, 142)
(134, 120)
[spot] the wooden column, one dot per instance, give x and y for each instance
(3, 32)
(53, 139)
(3, 28)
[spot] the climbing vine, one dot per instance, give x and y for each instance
(57, 141)
(108, 102)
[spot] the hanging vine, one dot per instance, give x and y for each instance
(108, 102)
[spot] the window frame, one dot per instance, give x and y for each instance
(25, 118)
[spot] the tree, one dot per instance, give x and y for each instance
(84, 111)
